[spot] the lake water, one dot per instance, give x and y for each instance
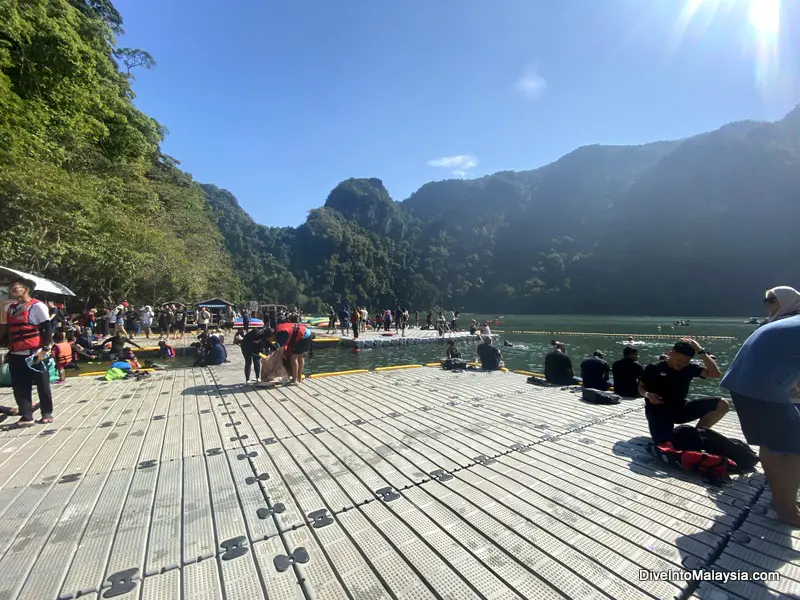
(529, 355)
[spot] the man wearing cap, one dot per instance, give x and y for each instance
(665, 387)
(27, 334)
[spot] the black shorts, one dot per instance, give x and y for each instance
(302, 346)
(772, 425)
(661, 419)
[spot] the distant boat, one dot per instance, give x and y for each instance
(755, 321)
(497, 321)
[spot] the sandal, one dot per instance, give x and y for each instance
(45, 420)
(22, 424)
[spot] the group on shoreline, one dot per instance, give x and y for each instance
(763, 380)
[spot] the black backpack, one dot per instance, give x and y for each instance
(737, 450)
(700, 439)
(598, 397)
(454, 364)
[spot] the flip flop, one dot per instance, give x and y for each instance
(45, 420)
(22, 424)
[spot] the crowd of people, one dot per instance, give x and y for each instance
(359, 320)
(763, 379)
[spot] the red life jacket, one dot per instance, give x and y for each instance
(296, 332)
(22, 335)
(63, 354)
(713, 466)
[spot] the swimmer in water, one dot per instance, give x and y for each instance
(507, 344)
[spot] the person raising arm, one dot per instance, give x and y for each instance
(665, 388)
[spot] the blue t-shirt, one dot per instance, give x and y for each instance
(768, 364)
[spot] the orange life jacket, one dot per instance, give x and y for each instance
(63, 354)
(22, 334)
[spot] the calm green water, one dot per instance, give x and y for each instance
(529, 356)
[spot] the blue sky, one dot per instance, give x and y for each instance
(279, 101)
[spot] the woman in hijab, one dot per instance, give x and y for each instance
(782, 301)
(763, 383)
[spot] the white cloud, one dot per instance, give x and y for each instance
(531, 83)
(460, 165)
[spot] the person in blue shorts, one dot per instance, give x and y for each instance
(763, 382)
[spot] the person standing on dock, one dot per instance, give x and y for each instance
(387, 319)
(331, 320)
(416, 319)
(295, 340)
(356, 319)
(203, 317)
(28, 336)
(245, 319)
(344, 320)
(626, 372)
(398, 319)
(665, 387)
(252, 346)
(763, 382)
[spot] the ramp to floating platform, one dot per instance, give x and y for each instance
(409, 483)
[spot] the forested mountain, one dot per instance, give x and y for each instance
(86, 196)
(699, 226)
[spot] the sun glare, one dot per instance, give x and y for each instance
(764, 21)
(765, 17)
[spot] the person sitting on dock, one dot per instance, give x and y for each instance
(165, 350)
(558, 366)
(117, 341)
(594, 372)
(452, 351)
(473, 328)
(429, 321)
(84, 345)
(626, 372)
(665, 387)
(489, 355)
(216, 354)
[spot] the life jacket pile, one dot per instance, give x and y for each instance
(712, 466)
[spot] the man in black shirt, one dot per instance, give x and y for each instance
(558, 366)
(489, 355)
(626, 372)
(665, 386)
(117, 342)
(594, 372)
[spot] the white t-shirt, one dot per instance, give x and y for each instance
(112, 317)
(486, 330)
(203, 317)
(38, 314)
